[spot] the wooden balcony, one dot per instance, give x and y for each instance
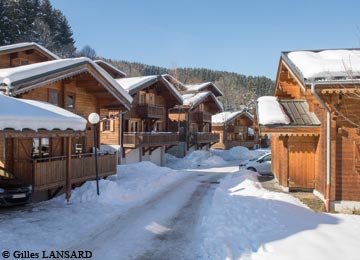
(200, 117)
(50, 173)
(150, 111)
(204, 137)
(147, 139)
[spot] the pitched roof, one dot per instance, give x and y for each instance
(135, 84)
(202, 86)
(20, 114)
(27, 46)
(59, 69)
(227, 116)
(285, 113)
(299, 114)
(270, 112)
(110, 68)
(326, 66)
(194, 99)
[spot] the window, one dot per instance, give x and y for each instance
(150, 98)
(41, 148)
(53, 97)
(201, 107)
(70, 101)
(142, 97)
(107, 125)
(134, 126)
(158, 126)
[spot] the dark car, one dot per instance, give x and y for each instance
(13, 191)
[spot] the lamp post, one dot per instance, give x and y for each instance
(94, 119)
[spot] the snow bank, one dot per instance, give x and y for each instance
(246, 221)
(238, 153)
(196, 159)
(271, 112)
(132, 183)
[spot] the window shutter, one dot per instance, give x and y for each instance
(112, 122)
(101, 126)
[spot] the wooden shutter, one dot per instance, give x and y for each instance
(357, 156)
(112, 122)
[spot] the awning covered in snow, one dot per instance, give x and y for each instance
(21, 114)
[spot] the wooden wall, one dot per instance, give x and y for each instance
(85, 102)
(19, 58)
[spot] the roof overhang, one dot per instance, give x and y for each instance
(49, 75)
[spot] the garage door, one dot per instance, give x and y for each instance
(301, 165)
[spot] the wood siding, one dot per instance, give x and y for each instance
(19, 58)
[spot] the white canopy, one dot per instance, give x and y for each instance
(19, 114)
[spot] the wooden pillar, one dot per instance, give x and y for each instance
(68, 168)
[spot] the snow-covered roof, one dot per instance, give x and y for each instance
(325, 65)
(110, 66)
(134, 84)
(19, 114)
(227, 116)
(28, 45)
(18, 75)
(270, 112)
(178, 84)
(194, 99)
(200, 87)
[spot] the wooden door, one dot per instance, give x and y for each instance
(302, 165)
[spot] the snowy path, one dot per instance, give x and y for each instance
(161, 228)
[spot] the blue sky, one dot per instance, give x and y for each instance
(238, 36)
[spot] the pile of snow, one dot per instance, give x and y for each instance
(246, 221)
(238, 153)
(130, 184)
(196, 159)
(328, 64)
(271, 112)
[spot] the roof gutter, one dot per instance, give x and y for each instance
(328, 146)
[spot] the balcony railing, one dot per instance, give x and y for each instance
(200, 117)
(204, 137)
(143, 139)
(49, 173)
(150, 111)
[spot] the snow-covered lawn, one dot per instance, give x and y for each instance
(243, 220)
(248, 222)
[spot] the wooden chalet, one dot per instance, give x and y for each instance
(24, 53)
(45, 157)
(193, 121)
(235, 129)
(318, 146)
(143, 133)
(193, 118)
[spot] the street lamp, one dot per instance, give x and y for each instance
(94, 119)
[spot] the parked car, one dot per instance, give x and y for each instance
(12, 190)
(261, 165)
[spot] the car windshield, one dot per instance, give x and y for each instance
(265, 157)
(5, 175)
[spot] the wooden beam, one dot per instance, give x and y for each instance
(68, 169)
(9, 133)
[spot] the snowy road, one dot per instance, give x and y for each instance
(163, 227)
